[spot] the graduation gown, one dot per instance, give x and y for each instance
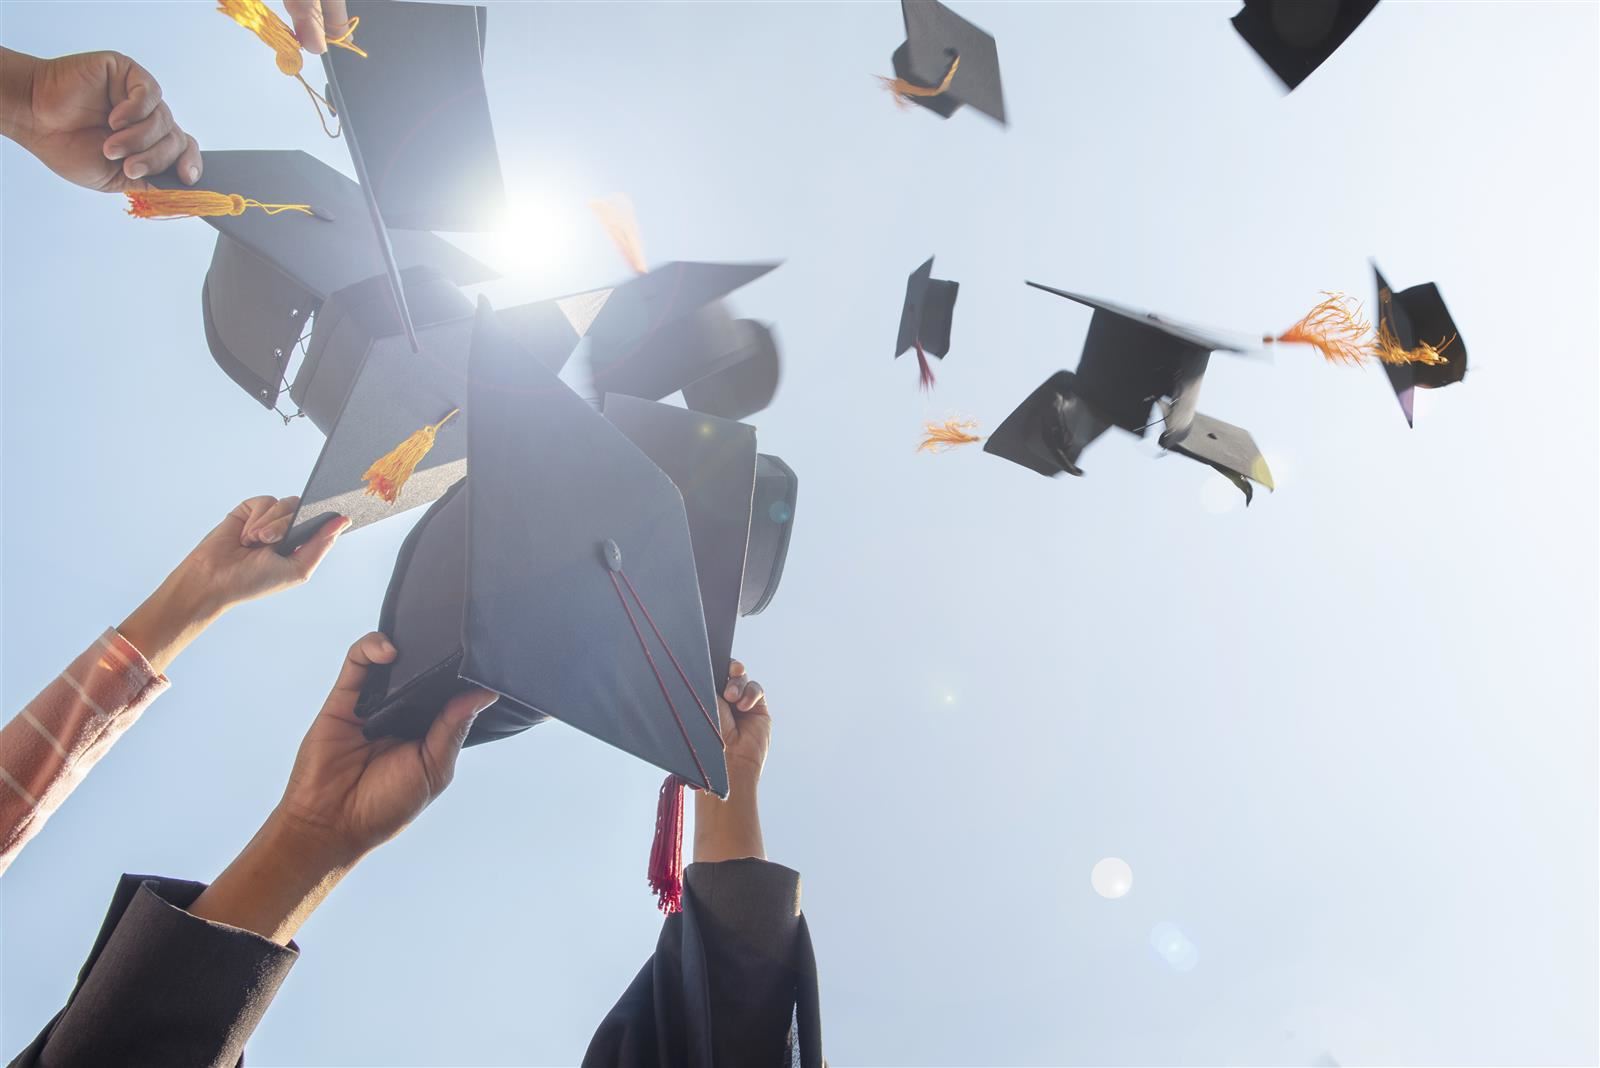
(732, 983)
(162, 988)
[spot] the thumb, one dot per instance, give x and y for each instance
(308, 556)
(448, 734)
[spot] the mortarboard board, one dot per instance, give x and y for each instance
(771, 522)
(1227, 448)
(416, 110)
(1295, 37)
(580, 599)
(269, 273)
(668, 330)
(1412, 318)
(713, 463)
(937, 39)
(1049, 429)
(1131, 358)
(416, 121)
(925, 317)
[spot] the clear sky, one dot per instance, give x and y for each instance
(1345, 739)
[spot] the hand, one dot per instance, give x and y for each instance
(746, 724)
(95, 118)
(350, 795)
(346, 796)
(313, 18)
(232, 564)
(731, 829)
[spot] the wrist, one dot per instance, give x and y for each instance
(276, 882)
(17, 71)
(731, 829)
(171, 617)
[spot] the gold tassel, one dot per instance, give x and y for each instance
(191, 203)
(616, 215)
(261, 20)
(388, 475)
(1335, 328)
(903, 90)
(941, 437)
(1388, 349)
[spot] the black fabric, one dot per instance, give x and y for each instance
(254, 315)
(771, 524)
(1295, 37)
(746, 387)
(732, 983)
(1050, 429)
(162, 988)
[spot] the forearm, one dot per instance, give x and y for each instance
(174, 615)
(16, 94)
(731, 829)
(275, 883)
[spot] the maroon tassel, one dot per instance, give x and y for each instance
(922, 363)
(666, 853)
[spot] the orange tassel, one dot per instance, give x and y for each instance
(1387, 347)
(903, 90)
(191, 203)
(1335, 328)
(388, 475)
(616, 215)
(261, 20)
(941, 437)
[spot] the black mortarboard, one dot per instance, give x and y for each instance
(926, 315)
(771, 521)
(668, 330)
(1295, 37)
(713, 463)
(415, 116)
(1418, 316)
(936, 37)
(1227, 448)
(1131, 358)
(416, 110)
(1049, 429)
(269, 273)
(364, 387)
(581, 601)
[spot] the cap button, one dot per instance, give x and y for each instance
(612, 554)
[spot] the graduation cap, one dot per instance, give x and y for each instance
(566, 562)
(946, 62)
(560, 574)
(1295, 37)
(1417, 323)
(1132, 360)
(925, 318)
(771, 523)
(270, 273)
(415, 115)
(669, 330)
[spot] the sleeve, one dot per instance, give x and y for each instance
(162, 987)
(732, 981)
(47, 749)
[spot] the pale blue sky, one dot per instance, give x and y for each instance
(1346, 739)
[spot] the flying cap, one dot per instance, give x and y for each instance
(946, 62)
(1413, 318)
(1295, 37)
(925, 318)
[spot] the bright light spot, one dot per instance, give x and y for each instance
(1111, 878)
(780, 512)
(538, 235)
(1174, 947)
(949, 698)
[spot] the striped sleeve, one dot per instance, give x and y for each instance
(47, 749)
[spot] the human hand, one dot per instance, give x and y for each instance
(97, 119)
(234, 563)
(746, 724)
(731, 829)
(313, 18)
(348, 795)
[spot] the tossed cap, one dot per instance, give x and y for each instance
(1295, 37)
(1413, 317)
(938, 39)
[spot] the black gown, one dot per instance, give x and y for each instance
(732, 983)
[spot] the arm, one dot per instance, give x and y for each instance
(181, 973)
(95, 118)
(731, 829)
(47, 749)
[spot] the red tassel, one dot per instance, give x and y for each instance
(922, 363)
(666, 853)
